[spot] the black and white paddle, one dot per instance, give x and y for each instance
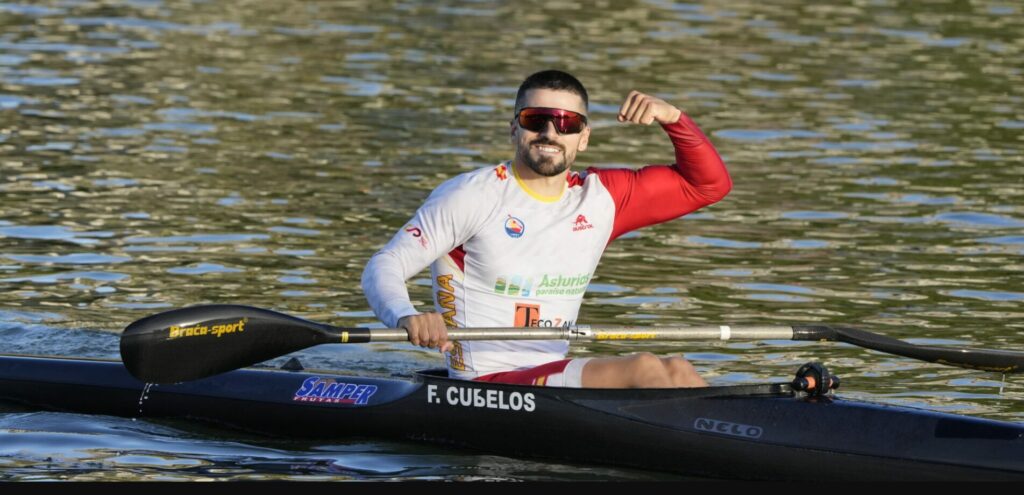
(200, 341)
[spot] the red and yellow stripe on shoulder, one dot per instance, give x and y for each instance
(501, 171)
(576, 179)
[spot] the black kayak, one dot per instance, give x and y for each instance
(737, 432)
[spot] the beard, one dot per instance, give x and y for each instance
(545, 165)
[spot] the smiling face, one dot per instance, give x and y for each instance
(547, 152)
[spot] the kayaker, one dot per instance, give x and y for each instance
(516, 244)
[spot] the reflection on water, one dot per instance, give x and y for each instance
(162, 154)
(70, 447)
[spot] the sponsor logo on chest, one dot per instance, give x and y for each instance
(548, 284)
(581, 224)
(528, 315)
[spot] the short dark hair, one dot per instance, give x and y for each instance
(552, 79)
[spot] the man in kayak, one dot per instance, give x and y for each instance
(516, 244)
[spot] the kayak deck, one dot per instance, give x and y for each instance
(748, 431)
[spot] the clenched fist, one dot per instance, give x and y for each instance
(640, 108)
(426, 330)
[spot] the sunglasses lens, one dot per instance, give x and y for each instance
(569, 124)
(536, 120)
(535, 123)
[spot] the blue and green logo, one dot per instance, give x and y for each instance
(542, 285)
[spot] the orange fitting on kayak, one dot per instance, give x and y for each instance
(815, 379)
(811, 382)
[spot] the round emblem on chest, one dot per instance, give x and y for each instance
(514, 227)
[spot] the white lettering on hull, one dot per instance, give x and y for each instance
(481, 398)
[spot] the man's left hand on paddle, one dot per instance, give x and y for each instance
(427, 330)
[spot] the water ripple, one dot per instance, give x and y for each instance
(57, 277)
(202, 269)
(68, 259)
(54, 233)
(766, 134)
(988, 295)
(197, 238)
(979, 220)
(725, 243)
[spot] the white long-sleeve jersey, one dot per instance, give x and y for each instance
(501, 255)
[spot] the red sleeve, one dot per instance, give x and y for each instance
(658, 193)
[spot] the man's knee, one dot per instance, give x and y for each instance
(642, 370)
(679, 366)
(645, 362)
(683, 373)
(648, 370)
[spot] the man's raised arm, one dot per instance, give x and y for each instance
(658, 193)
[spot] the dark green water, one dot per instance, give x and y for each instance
(161, 154)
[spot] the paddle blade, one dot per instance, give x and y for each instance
(978, 359)
(200, 341)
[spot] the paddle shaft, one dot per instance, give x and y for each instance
(979, 359)
(578, 333)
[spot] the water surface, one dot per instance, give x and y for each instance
(161, 154)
